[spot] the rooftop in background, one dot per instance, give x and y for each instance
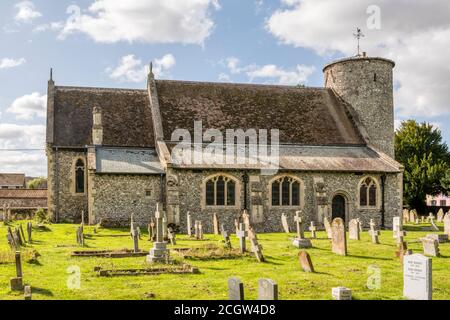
(12, 180)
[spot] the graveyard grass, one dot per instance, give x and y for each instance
(48, 277)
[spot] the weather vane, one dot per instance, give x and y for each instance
(358, 35)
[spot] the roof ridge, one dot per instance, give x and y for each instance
(98, 88)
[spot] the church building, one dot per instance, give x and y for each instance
(110, 151)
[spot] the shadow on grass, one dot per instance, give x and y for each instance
(367, 258)
(42, 291)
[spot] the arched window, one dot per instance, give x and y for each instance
(79, 176)
(220, 191)
(286, 192)
(368, 192)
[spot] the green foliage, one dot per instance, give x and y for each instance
(426, 158)
(38, 183)
(41, 216)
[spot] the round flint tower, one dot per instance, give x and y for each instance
(366, 84)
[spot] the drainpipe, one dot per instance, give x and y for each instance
(383, 200)
(245, 179)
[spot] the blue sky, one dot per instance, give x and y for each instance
(109, 44)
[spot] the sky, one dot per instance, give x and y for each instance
(110, 43)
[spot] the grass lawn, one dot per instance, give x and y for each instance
(48, 277)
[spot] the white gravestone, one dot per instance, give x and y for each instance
(417, 277)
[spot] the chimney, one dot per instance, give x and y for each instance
(97, 129)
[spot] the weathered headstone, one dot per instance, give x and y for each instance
(447, 224)
(353, 228)
(135, 242)
(29, 232)
(17, 283)
(284, 222)
(305, 261)
(396, 226)
(341, 293)
(22, 234)
(339, 240)
(236, 226)
(226, 238)
(256, 249)
(235, 289)
(405, 216)
(246, 219)
(430, 247)
(164, 224)
(159, 252)
(440, 215)
(189, 224)
(417, 277)
(299, 222)
(19, 239)
(132, 226)
(360, 225)
(200, 230)
(242, 234)
(434, 227)
(375, 237)
(441, 238)
(267, 289)
(27, 293)
(216, 224)
(172, 237)
(327, 226)
(313, 230)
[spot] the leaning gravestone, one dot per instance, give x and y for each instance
(284, 222)
(417, 277)
(339, 240)
(430, 247)
(267, 289)
(447, 224)
(327, 226)
(235, 289)
(434, 227)
(353, 229)
(440, 215)
(305, 261)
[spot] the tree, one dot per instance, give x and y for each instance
(37, 183)
(426, 158)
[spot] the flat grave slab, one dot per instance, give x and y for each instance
(184, 269)
(125, 253)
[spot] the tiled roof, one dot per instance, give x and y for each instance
(128, 161)
(23, 193)
(12, 179)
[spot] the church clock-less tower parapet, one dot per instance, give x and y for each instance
(366, 85)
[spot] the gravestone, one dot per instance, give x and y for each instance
(422, 219)
(412, 215)
(440, 215)
(226, 238)
(396, 226)
(405, 216)
(132, 226)
(236, 226)
(19, 239)
(360, 225)
(164, 224)
(299, 222)
(353, 228)
(200, 230)
(339, 239)
(375, 237)
(151, 230)
(29, 231)
(417, 277)
(400, 236)
(235, 289)
(172, 237)
(246, 219)
(159, 252)
(189, 224)
(27, 293)
(447, 224)
(402, 246)
(441, 238)
(327, 226)
(17, 283)
(216, 224)
(434, 227)
(313, 230)
(22, 234)
(242, 234)
(341, 293)
(430, 247)
(80, 236)
(256, 249)
(267, 289)
(284, 222)
(305, 261)
(135, 242)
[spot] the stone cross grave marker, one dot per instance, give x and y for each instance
(430, 247)
(235, 289)
(440, 215)
(327, 226)
(313, 230)
(159, 252)
(299, 222)
(396, 226)
(29, 231)
(216, 224)
(285, 224)
(447, 224)
(353, 229)
(27, 293)
(417, 277)
(17, 283)
(267, 289)
(242, 234)
(189, 224)
(339, 240)
(341, 293)
(305, 261)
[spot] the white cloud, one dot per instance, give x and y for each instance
(149, 21)
(29, 106)
(14, 136)
(7, 63)
(414, 33)
(131, 69)
(269, 73)
(32, 163)
(52, 26)
(26, 12)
